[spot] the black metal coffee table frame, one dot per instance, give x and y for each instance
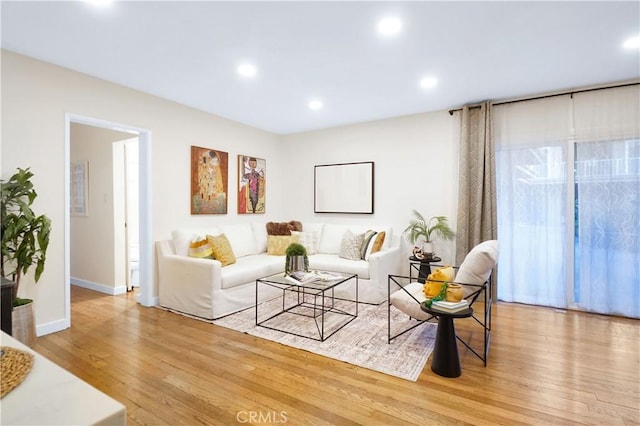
(312, 300)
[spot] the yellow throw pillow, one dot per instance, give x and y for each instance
(200, 248)
(277, 244)
(377, 244)
(221, 249)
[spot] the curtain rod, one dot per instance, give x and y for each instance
(451, 111)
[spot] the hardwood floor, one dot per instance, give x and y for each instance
(546, 367)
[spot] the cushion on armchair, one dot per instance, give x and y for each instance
(477, 265)
(402, 300)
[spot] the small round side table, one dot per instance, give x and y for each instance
(425, 267)
(446, 361)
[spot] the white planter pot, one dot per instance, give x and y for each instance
(427, 248)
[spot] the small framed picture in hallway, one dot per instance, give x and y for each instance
(79, 188)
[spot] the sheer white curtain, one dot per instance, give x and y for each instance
(570, 236)
(607, 201)
(531, 156)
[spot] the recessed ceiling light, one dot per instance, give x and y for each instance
(247, 70)
(632, 43)
(99, 2)
(428, 82)
(315, 104)
(389, 26)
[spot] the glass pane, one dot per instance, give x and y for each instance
(607, 237)
(531, 185)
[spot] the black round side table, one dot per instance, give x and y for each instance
(425, 267)
(446, 361)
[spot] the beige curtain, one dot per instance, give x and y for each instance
(477, 207)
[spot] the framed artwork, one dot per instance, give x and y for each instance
(80, 188)
(209, 177)
(251, 184)
(344, 188)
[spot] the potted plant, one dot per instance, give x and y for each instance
(419, 228)
(25, 238)
(296, 258)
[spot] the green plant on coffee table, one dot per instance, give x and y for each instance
(295, 249)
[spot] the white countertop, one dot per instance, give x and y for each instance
(50, 395)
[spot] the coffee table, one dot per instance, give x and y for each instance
(308, 310)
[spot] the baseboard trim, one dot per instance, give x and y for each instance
(113, 291)
(52, 327)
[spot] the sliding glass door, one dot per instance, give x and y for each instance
(568, 192)
(607, 227)
(532, 224)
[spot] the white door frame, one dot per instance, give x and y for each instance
(145, 296)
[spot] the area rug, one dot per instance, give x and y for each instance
(362, 342)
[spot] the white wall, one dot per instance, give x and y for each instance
(415, 167)
(415, 160)
(35, 97)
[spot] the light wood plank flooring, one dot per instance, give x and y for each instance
(546, 367)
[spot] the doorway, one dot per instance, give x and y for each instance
(144, 235)
(126, 187)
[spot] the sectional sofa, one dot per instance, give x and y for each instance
(203, 287)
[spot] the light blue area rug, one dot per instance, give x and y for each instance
(362, 342)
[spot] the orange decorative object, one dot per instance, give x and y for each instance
(454, 293)
(432, 288)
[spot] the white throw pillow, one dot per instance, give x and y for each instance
(308, 239)
(477, 265)
(331, 238)
(313, 227)
(241, 239)
(405, 303)
(350, 246)
(260, 232)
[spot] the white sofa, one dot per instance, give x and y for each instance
(204, 288)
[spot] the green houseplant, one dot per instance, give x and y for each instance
(296, 258)
(25, 238)
(419, 228)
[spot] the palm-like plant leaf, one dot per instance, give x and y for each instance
(435, 226)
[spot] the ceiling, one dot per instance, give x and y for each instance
(189, 52)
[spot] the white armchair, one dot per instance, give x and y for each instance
(474, 274)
